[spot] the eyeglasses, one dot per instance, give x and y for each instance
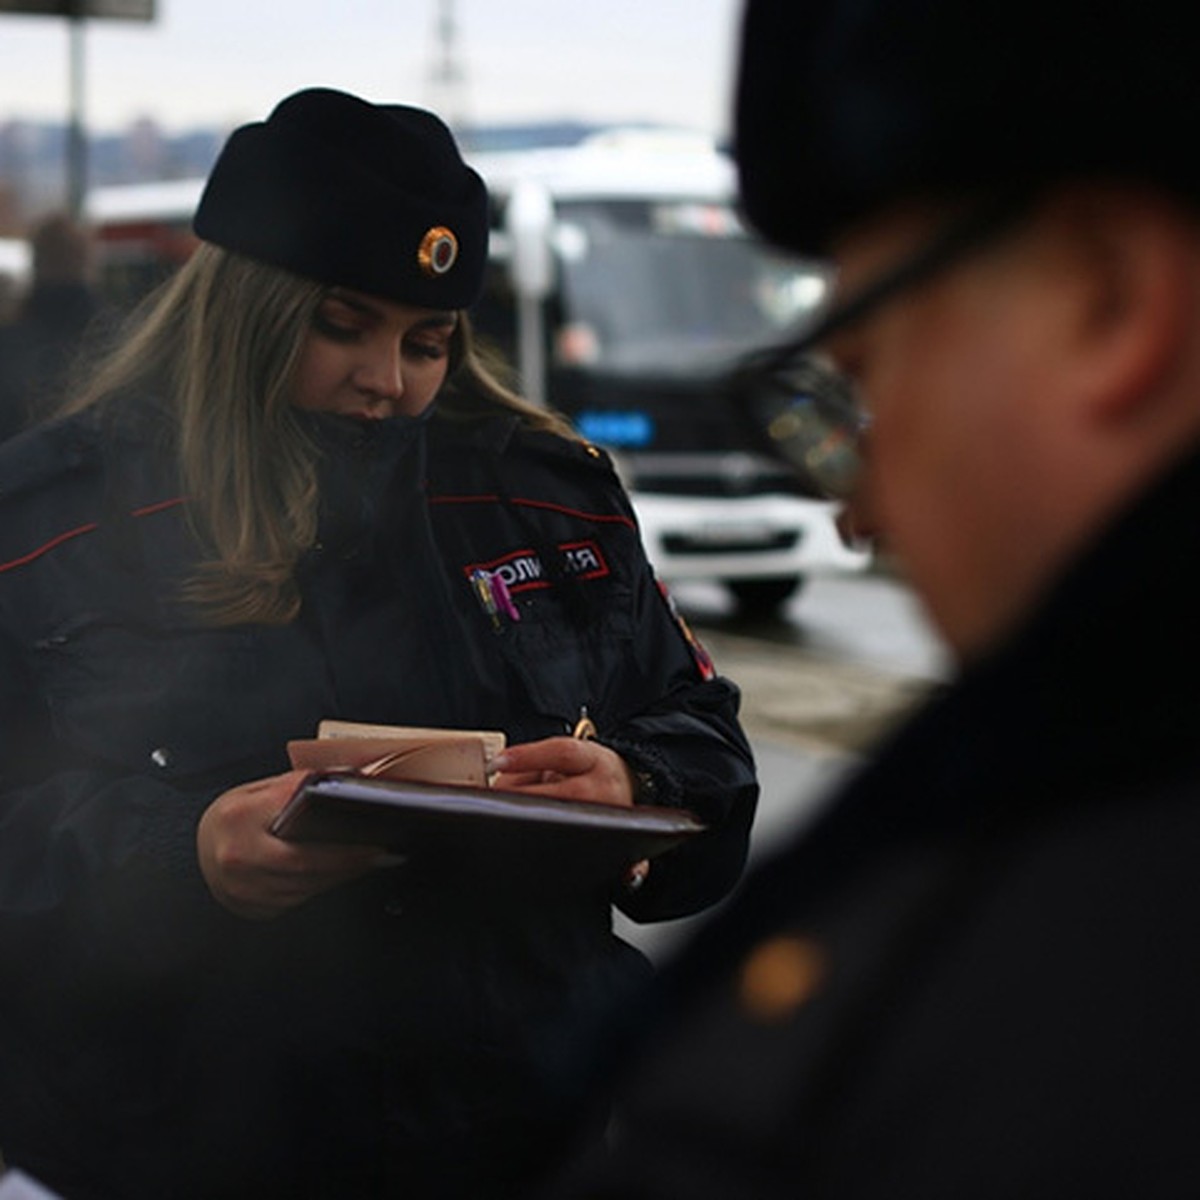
(804, 412)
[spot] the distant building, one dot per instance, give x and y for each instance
(33, 158)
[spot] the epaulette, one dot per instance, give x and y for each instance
(43, 455)
(573, 450)
(508, 433)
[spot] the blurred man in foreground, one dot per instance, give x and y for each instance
(978, 975)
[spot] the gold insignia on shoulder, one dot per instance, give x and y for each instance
(438, 251)
(779, 975)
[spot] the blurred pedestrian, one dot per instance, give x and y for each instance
(39, 345)
(976, 976)
(297, 492)
(10, 296)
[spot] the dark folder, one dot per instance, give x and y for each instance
(476, 827)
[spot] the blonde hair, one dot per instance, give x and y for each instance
(219, 344)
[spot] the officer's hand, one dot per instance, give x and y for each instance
(257, 875)
(569, 768)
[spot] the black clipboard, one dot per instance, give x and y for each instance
(476, 827)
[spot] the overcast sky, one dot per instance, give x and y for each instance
(226, 61)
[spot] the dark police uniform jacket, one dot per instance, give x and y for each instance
(416, 1026)
(977, 975)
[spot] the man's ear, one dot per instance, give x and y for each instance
(1137, 263)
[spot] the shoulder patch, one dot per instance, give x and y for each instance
(700, 655)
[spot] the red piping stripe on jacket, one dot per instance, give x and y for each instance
(91, 526)
(151, 509)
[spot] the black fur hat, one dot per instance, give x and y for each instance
(845, 106)
(368, 196)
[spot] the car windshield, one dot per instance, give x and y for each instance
(675, 286)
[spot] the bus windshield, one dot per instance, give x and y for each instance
(673, 286)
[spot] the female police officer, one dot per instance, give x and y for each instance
(273, 504)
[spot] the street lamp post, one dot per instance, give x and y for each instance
(77, 13)
(77, 155)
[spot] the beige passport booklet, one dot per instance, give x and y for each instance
(400, 752)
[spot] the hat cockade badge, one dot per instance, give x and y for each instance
(438, 251)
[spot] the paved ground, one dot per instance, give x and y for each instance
(798, 699)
